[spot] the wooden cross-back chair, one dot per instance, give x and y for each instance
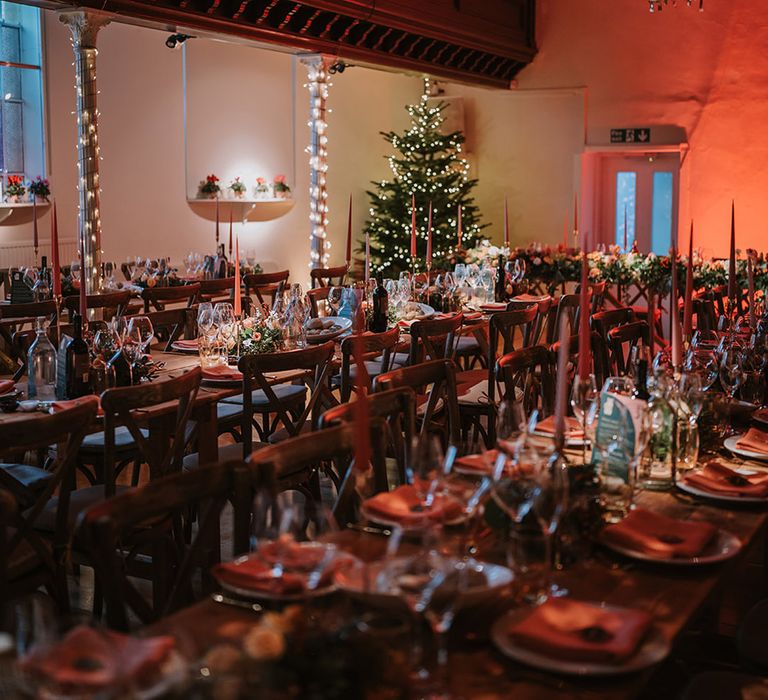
(477, 388)
(567, 305)
(265, 285)
(222, 289)
(621, 341)
(605, 321)
(317, 295)
(599, 355)
(31, 558)
(295, 463)
(315, 361)
(705, 313)
(112, 303)
(434, 339)
(152, 517)
(527, 376)
(598, 291)
(437, 407)
(544, 304)
(16, 318)
(157, 298)
(328, 276)
(379, 349)
(397, 409)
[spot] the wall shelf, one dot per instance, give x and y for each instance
(15, 214)
(241, 209)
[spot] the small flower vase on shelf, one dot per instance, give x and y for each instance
(280, 189)
(262, 189)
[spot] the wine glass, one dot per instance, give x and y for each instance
(205, 317)
(731, 371)
(224, 319)
(141, 327)
(334, 299)
(425, 469)
(583, 396)
(131, 348)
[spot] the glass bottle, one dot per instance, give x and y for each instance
(78, 363)
(41, 291)
(500, 289)
(41, 366)
(657, 467)
(379, 320)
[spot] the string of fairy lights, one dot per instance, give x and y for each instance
(318, 85)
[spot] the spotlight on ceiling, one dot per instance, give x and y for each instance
(174, 41)
(338, 67)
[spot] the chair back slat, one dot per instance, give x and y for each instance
(265, 284)
(621, 341)
(157, 297)
(434, 339)
(328, 276)
(383, 344)
(544, 303)
(604, 321)
(117, 301)
(528, 373)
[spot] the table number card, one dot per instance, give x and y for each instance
(617, 411)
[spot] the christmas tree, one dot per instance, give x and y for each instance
(429, 167)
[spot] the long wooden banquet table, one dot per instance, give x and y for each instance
(673, 595)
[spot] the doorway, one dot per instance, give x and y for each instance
(642, 190)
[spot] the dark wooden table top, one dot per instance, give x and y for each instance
(672, 594)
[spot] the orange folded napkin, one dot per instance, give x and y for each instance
(761, 414)
(571, 630)
(530, 297)
(472, 315)
(754, 440)
(405, 505)
(494, 306)
(719, 479)
(482, 464)
(187, 344)
(573, 428)
(63, 405)
(256, 572)
(6, 385)
(87, 660)
(660, 536)
(223, 372)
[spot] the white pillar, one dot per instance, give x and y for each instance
(318, 84)
(85, 25)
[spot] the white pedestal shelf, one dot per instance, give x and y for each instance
(241, 209)
(15, 214)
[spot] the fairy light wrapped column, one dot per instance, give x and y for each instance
(318, 84)
(85, 27)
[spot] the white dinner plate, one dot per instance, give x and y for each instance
(696, 491)
(569, 441)
(343, 325)
(391, 522)
(653, 649)
(761, 416)
(723, 546)
(730, 445)
(352, 580)
(185, 349)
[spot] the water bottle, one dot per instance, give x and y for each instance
(41, 366)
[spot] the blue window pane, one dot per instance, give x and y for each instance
(626, 197)
(661, 220)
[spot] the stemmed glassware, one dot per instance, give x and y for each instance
(583, 396)
(425, 469)
(731, 371)
(224, 319)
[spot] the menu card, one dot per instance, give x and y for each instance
(617, 410)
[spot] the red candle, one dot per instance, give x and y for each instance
(751, 290)
(34, 223)
(651, 321)
(459, 226)
(562, 380)
(349, 231)
(688, 309)
(429, 239)
(585, 347)
(565, 232)
(56, 265)
(230, 233)
(625, 228)
(575, 219)
(83, 277)
(367, 259)
(413, 227)
(217, 224)
(732, 263)
(506, 222)
(238, 300)
(674, 310)
(362, 417)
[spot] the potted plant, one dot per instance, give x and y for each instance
(262, 189)
(40, 188)
(209, 188)
(238, 188)
(280, 188)
(14, 189)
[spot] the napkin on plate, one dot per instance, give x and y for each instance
(472, 315)
(494, 306)
(563, 628)
(6, 385)
(719, 479)
(482, 464)
(573, 428)
(754, 440)
(223, 372)
(657, 535)
(530, 297)
(87, 660)
(186, 344)
(63, 404)
(405, 505)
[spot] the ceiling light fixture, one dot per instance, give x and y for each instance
(174, 41)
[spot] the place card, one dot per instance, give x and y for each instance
(615, 410)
